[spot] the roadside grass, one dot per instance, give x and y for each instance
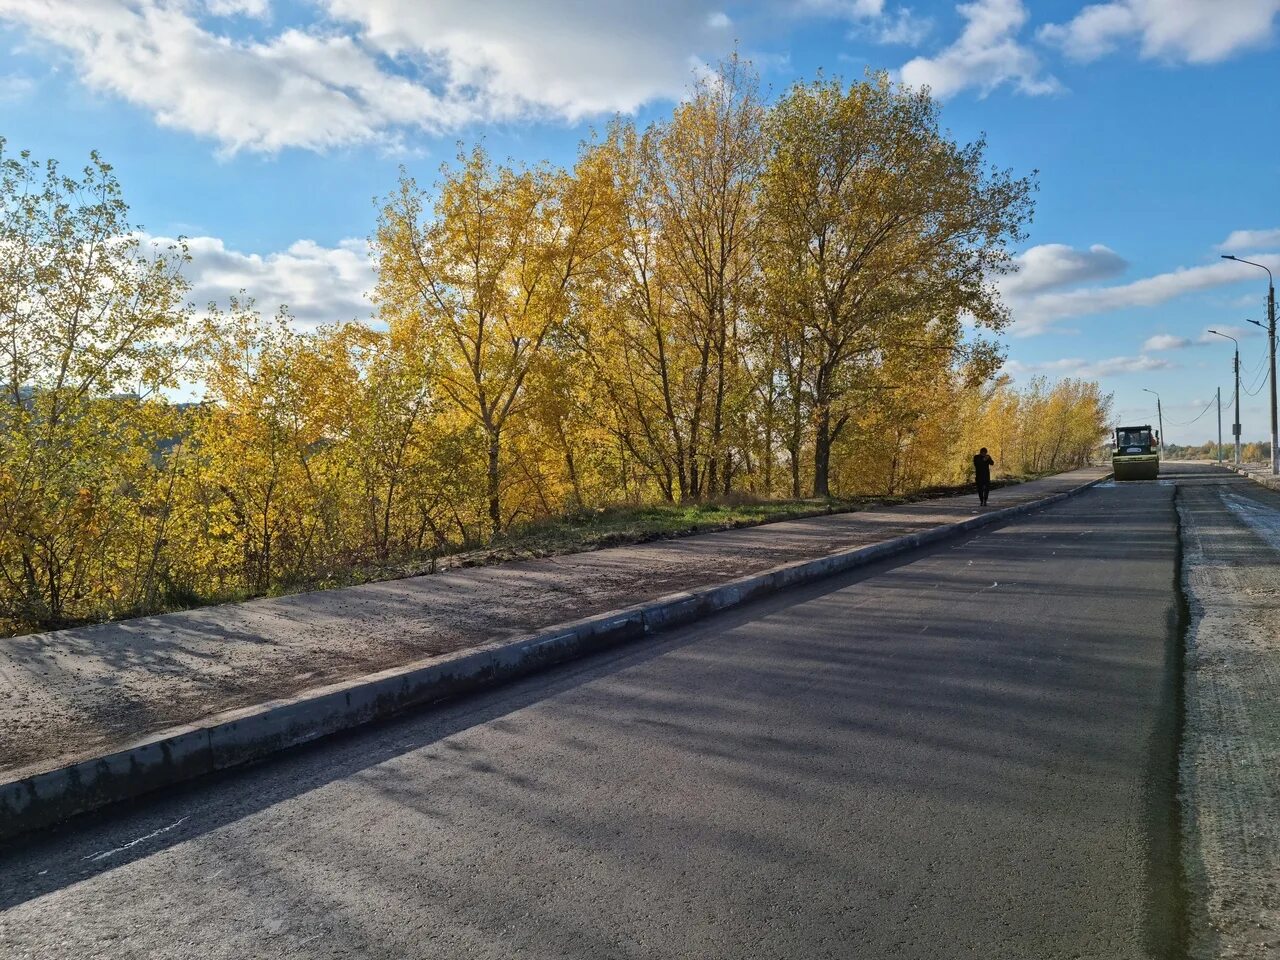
(582, 531)
(578, 531)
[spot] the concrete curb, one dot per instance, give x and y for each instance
(41, 798)
(1271, 483)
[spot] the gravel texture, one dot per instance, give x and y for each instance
(1231, 743)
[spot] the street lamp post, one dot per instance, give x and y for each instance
(1271, 337)
(1159, 419)
(1235, 427)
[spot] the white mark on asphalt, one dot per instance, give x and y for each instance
(95, 857)
(1263, 520)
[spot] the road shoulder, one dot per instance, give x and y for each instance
(1231, 743)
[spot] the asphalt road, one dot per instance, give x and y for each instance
(969, 752)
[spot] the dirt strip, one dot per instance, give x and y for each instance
(68, 694)
(1231, 743)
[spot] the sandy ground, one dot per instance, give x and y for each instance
(69, 694)
(1231, 745)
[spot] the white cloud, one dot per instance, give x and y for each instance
(1038, 312)
(370, 69)
(1240, 241)
(848, 9)
(563, 57)
(15, 86)
(1192, 31)
(1091, 369)
(903, 28)
(870, 19)
(231, 8)
(1051, 265)
(1165, 341)
(986, 55)
(318, 284)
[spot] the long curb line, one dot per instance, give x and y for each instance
(241, 736)
(1262, 481)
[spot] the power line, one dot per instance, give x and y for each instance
(1177, 423)
(1262, 379)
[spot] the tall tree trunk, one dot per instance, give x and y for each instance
(495, 504)
(822, 454)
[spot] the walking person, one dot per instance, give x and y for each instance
(982, 464)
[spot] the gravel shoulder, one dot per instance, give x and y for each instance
(69, 694)
(1231, 742)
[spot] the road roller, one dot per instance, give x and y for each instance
(1136, 455)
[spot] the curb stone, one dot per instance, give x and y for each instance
(224, 740)
(1271, 483)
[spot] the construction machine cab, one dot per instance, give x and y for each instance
(1136, 455)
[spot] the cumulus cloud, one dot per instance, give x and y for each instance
(15, 86)
(1091, 369)
(1038, 312)
(871, 20)
(231, 8)
(848, 9)
(902, 28)
(1239, 241)
(318, 284)
(1165, 341)
(1051, 265)
(1190, 31)
(559, 56)
(986, 55)
(369, 69)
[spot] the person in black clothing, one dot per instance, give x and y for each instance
(982, 464)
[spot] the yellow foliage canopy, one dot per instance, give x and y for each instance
(756, 299)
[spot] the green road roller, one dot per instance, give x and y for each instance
(1137, 454)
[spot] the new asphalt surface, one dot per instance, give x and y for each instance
(966, 752)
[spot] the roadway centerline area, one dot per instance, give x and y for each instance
(969, 752)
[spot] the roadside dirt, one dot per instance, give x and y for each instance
(69, 694)
(1231, 743)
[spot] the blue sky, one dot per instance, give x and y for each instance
(263, 130)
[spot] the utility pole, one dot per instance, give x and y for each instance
(1235, 427)
(1219, 425)
(1271, 338)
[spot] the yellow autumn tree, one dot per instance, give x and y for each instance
(92, 325)
(681, 283)
(738, 299)
(489, 278)
(883, 233)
